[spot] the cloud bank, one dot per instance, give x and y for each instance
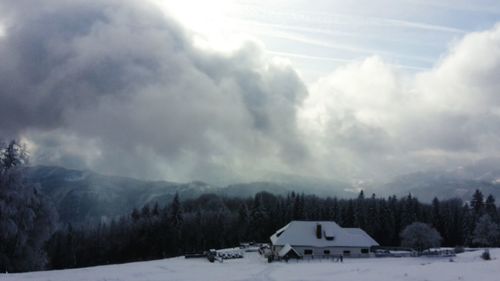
(390, 123)
(118, 87)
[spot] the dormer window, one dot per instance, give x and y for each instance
(329, 238)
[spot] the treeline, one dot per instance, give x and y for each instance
(212, 221)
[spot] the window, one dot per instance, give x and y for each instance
(326, 252)
(330, 238)
(347, 253)
(365, 251)
(308, 252)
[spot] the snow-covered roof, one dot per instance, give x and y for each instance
(361, 232)
(303, 233)
(287, 248)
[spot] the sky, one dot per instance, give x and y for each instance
(232, 91)
(318, 36)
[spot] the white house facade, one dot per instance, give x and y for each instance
(310, 239)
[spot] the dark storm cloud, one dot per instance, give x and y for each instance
(61, 57)
(126, 82)
(118, 87)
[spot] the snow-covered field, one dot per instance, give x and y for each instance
(466, 266)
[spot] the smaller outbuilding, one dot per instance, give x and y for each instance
(322, 239)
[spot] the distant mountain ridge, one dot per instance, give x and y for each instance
(81, 195)
(459, 182)
(85, 195)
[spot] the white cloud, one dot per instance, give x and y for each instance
(381, 119)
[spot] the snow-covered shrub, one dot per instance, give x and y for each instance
(459, 249)
(486, 255)
(420, 236)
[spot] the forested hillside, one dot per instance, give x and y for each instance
(89, 197)
(212, 221)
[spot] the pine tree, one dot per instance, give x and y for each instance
(27, 219)
(334, 212)
(359, 211)
(298, 207)
(156, 210)
(243, 221)
(453, 220)
(175, 212)
(436, 213)
(371, 215)
(477, 203)
(468, 224)
(348, 214)
(409, 212)
(259, 217)
(13, 155)
(491, 208)
(175, 220)
(395, 210)
(135, 215)
(388, 226)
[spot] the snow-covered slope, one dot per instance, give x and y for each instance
(467, 266)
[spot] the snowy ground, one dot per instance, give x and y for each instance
(466, 266)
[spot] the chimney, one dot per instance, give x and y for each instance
(319, 231)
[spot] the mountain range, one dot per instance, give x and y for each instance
(86, 195)
(82, 195)
(460, 182)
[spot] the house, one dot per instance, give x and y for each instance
(309, 239)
